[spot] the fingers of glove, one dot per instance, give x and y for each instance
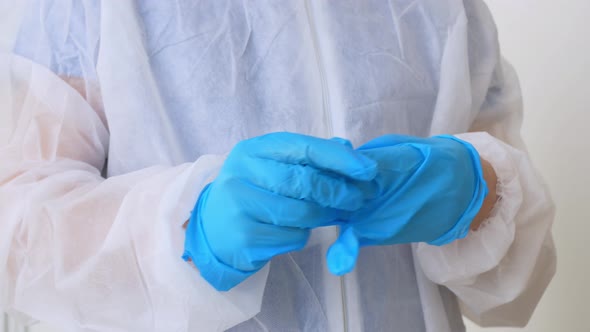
(271, 208)
(397, 158)
(249, 251)
(389, 140)
(280, 240)
(320, 153)
(342, 141)
(342, 255)
(307, 183)
(270, 241)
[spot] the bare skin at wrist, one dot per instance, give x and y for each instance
(488, 204)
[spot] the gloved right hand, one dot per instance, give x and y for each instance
(428, 190)
(270, 192)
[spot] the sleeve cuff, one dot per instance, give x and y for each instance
(461, 261)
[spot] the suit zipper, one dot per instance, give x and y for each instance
(330, 126)
(321, 70)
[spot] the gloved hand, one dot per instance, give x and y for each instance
(269, 193)
(428, 190)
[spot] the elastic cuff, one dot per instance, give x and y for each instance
(219, 275)
(461, 261)
(461, 228)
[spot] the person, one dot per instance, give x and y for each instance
(318, 165)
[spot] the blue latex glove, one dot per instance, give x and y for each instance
(429, 190)
(269, 193)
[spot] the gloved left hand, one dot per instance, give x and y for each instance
(428, 190)
(269, 194)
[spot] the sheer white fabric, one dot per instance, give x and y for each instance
(164, 89)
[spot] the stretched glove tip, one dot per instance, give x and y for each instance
(341, 265)
(338, 270)
(341, 258)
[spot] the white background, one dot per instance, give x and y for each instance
(548, 41)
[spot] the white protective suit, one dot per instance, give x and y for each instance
(162, 90)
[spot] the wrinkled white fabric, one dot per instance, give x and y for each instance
(153, 94)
